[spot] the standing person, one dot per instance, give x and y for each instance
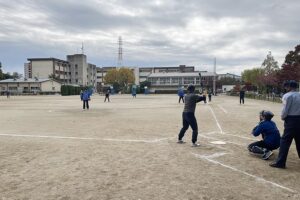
(181, 95)
(270, 136)
(242, 96)
(133, 93)
(85, 97)
(291, 116)
(107, 95)
(209, 96)
(188, 115)
(7, 94)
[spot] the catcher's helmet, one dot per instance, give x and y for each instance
(268, 115)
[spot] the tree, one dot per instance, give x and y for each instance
(16, 75)
(1, 73)
(253, 76)
(119, 77)
(52, 76)
(270, 64)
(291, 66)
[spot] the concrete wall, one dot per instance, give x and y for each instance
(50, 86)
(42, 69)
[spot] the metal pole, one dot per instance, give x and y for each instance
(200, 82)
(214, 81)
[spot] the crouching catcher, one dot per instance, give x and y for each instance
(270, 134)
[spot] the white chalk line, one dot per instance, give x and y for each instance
(225, 111)
(243, 172)
(213, 113)
(85, 138)
(213, 138)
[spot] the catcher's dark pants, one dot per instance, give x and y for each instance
(180, 99)
(291, 131)
(260, 144)
(86, 103)
(188, 119)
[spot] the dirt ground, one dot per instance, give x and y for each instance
(126, 149)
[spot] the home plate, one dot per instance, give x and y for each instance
(218, 142)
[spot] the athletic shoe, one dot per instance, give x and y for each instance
(195, 145)
(180, 142)
(267, 155)
(277, 166)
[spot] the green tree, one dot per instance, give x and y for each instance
(1, 73)
(253, 76)
(270, 65)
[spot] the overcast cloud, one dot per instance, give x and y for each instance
(155, 33)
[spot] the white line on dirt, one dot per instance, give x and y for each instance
(225, 111)
(213, 113)
(243, 172)
(213, 138)
(84, 138)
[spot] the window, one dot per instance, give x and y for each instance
(53, 88)
(188, 80)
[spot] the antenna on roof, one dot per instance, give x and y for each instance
(82, 48)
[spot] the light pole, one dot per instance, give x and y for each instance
(200, 82)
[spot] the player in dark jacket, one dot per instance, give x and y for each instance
(188, 115)
(270, 134)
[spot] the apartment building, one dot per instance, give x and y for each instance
(74, 70)
(43, 68)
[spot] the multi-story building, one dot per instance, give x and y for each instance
(82, 73)
(43, 68)
(170, 82)
(75, 70)
(228, 75)
(27, 70)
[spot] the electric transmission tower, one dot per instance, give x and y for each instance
(120, 52)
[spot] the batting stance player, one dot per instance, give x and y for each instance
(291, 116)
(188, 115)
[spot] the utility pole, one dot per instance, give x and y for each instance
(215, 73)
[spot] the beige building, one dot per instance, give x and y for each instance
(42, 68)
(75, 70)
(23, 86)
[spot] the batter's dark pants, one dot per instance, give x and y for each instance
(86, 103)
(291, 131)
(188, 119)
(242, 100)
(180, 99)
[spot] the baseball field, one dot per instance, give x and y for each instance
(127, 149)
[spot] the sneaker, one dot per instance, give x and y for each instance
(267, 155)
(180, 142)
(277, 166)
(195, 145)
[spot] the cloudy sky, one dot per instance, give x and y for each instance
(239, 33)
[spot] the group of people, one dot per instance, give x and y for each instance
(267, 128)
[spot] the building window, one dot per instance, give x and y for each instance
(188, 80)
(53, 88)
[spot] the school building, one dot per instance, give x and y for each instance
(30, 86)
